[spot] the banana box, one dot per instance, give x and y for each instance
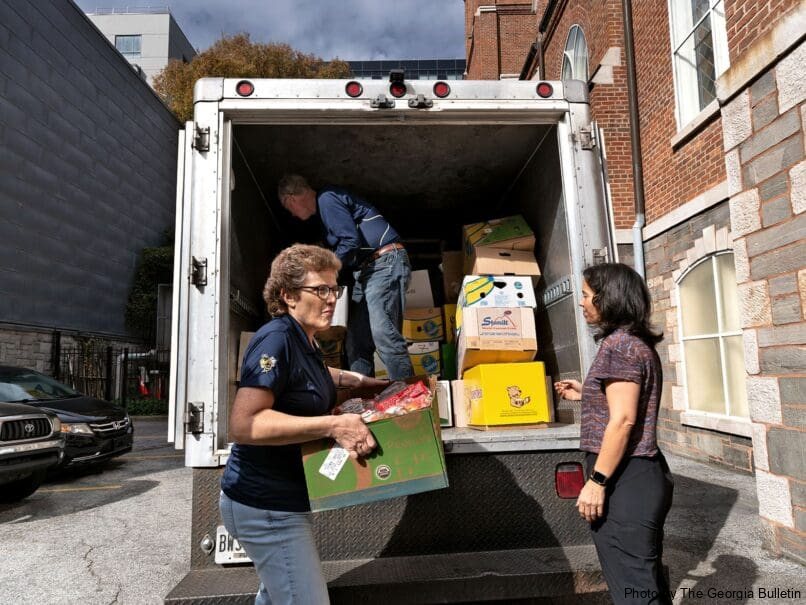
(509, 233)
(496, 335)
(495, 291)
(495, 261)
(423, 324)
(507, 394)
(424, 358)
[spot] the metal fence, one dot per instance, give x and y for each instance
(114, 373)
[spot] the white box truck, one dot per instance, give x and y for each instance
(432, 156)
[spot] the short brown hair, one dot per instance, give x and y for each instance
(291, 184)
(288, 271)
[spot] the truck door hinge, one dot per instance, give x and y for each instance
(585, 138)
(420, 102)
(600, 256)
(194, 417)
(198, 272)
(201, 139)
(382, 102)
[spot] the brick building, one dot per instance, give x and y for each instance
(721, 118)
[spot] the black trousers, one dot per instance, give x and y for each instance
(629, 537)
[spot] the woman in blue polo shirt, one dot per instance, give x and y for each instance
(285, 397)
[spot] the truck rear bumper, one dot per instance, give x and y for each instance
(550, 574)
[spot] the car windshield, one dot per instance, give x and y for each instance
(32, 386)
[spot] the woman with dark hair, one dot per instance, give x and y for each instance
(284, 398)
(629, 489)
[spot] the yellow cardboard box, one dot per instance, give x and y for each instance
(495, 291)
(423, 324)
(507, 393)
(449, 319)
(424, 358)
(495, 335)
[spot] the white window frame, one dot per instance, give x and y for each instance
(725, 422)
(130, 55)
(685, 88)
(566, 56)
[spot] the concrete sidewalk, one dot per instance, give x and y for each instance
(713, 542)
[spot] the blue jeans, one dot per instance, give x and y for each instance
(282, 547)
(376, 316)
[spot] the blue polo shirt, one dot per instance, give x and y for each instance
(279, 357)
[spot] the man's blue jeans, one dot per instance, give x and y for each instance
(376, 316)
(282, 547)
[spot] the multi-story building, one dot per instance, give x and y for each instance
(415, 69)
(720, 118)
(147, 37)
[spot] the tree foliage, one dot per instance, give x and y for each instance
(154, 267)
(238, 57)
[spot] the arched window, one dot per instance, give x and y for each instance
(575, 56)
(711, 337)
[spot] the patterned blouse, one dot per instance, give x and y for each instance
(622, 356)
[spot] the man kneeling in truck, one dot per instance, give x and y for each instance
(366, 243)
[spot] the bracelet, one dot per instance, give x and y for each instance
(341, 373)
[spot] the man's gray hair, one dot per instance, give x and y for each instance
(291, 184)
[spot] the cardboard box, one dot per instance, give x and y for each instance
(424, 358)
(460, 404)
(419, 292)
(507, 393)
(494, 291)
(509, 233)
(423, 324)
(496, 335)
(452, 274)
(409, 459)
(494, 261)
(443, 396)
(449, 321)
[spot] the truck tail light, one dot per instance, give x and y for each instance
(545, 90)
(353, 89)
(569, 479)
(442, 90)
(244, 88)
(397, 89)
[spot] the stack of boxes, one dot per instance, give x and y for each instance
(495, 321)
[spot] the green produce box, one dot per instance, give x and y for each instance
(409, 459)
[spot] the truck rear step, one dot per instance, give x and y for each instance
(545, 575)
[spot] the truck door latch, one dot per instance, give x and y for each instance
(198, 272)
(382, 102)
(599, 255)
(586, 139)
(194, 417)
(201, 139)
(420, 102)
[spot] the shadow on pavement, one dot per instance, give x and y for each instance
(699, 512)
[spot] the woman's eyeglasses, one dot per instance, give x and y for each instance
(324, 291)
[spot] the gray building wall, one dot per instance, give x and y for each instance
(88, 156)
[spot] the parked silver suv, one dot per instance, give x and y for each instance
(31, 441)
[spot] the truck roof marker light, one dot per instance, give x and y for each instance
(442, 90)
(397, 89)
(244, 88)
(545, 90)
(353, 89)
(569, 479)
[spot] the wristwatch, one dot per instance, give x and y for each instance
(598, 478)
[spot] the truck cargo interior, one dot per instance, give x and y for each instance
(427, 179)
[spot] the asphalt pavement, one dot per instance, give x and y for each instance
(122, 534)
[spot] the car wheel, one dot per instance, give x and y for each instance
(21, 488)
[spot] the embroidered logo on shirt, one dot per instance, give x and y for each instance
(267, 363)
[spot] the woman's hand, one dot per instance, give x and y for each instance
(590, 502)
(352, 434)
(569, 389)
